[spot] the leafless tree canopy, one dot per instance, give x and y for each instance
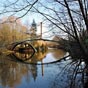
(69, 16)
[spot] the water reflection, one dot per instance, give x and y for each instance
(11, 73)
(21, 56)
(71, 73)
(38, 57)
(57, 54)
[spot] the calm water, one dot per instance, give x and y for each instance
(21, 74)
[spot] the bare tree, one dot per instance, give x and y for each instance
(69, 16)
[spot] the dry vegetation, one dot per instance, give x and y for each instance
(12, 31)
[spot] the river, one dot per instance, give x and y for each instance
(38, 71)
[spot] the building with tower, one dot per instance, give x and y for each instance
(33, 29)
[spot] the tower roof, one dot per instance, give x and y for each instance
(33, 23)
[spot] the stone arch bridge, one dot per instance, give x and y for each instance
(26, 44)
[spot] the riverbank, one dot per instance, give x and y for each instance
(5, 51)
(74, 48)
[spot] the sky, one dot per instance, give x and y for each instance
(28, 18)
(39, 18)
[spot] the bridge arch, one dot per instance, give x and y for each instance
(14, 45)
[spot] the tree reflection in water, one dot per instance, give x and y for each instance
(73, 74)
(11, 72)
